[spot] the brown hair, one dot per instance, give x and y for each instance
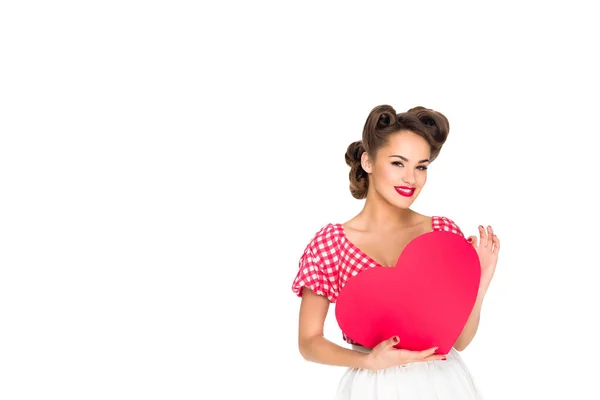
(383, 122)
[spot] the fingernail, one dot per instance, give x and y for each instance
(395, 339)
(470, 240)
(444, 358)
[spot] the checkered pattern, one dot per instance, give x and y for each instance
(330, 259)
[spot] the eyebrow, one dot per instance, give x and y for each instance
(406, 159)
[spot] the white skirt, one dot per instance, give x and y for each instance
(432, 380)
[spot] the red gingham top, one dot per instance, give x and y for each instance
(330, 259)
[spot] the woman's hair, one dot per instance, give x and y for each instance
(383, 122)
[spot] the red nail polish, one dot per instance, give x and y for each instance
(444, 358)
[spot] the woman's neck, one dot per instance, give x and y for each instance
(378, 214)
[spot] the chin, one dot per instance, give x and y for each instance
(405, 205)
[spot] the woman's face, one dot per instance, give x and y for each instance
(399, 170)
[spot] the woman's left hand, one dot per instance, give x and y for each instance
(487, 250)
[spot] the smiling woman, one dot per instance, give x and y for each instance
(419, 131)
(388, 168)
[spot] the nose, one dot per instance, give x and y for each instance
(409, 178)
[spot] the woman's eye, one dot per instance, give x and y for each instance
(399, 164)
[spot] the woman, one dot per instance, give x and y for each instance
(388, 168)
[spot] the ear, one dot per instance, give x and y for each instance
(365, 162)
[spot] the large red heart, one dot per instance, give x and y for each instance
(425, 300)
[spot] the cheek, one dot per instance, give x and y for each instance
(390, 174)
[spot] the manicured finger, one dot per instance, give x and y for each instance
(426, 353)
(490, 235)
(482, 236)
(496, 243)
(472, 240)
(436, 357)
(394, 340)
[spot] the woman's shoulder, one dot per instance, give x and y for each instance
(318, 266)
(326, 236)
(443, 223)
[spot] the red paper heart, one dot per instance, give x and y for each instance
(425, 300)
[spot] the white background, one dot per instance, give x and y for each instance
(164, 164)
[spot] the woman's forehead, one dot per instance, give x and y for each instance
(407, 142)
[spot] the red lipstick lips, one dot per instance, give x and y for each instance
(405, 190)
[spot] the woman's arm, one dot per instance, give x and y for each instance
(312, 344)
(314, 347)
(487, 250)
(470, 329)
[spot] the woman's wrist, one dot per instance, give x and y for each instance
(481, 293)
(364, 361)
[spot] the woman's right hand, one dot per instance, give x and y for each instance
(384, 355)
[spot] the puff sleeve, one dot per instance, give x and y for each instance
(318, 266)
(446, 224)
